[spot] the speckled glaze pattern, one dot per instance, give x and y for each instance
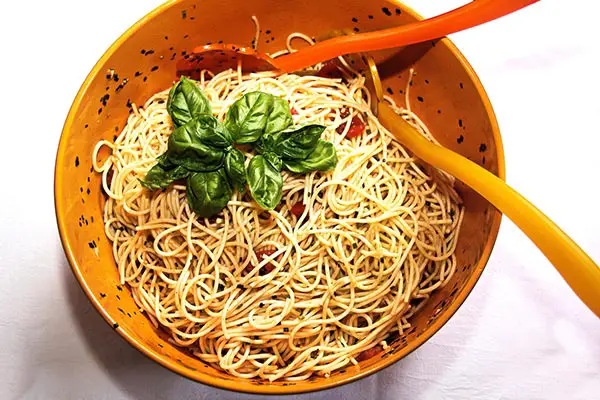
(445, 93)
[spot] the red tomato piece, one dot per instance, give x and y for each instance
(298, 209)
(357, 127)
(267, 268)
(367, 354)
(330, 70)
(294, 111)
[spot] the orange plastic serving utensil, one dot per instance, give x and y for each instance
(580, 272)
(218, 57)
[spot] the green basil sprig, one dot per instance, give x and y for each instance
(201, 149)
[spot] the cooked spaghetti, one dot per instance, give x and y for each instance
(317, 284)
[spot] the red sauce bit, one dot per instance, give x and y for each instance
(368, 354)
(357, 128)
(294, 111)
(267, 268)
(330, 70)
(298, 209)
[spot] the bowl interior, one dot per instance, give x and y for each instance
(445, 93)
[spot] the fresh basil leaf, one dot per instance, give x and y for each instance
(323, 158)
(159, 177)
(163, 161)
(235, 168)
(274, 160)
(280, 118)
(299, 144)
(186, 101)
(268, 142)
(265, 182)
(247, 118)
(208, 192)
(187, 149)
(209, 131)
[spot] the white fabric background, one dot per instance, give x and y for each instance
(520, 335)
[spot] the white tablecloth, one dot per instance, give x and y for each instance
(521, 334)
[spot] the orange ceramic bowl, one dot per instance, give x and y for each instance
(445, 93)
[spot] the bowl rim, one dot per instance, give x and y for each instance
(237, 385)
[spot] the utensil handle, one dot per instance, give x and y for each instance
(575, 266)
(470, 15)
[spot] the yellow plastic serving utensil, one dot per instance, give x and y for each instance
(575, 266)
